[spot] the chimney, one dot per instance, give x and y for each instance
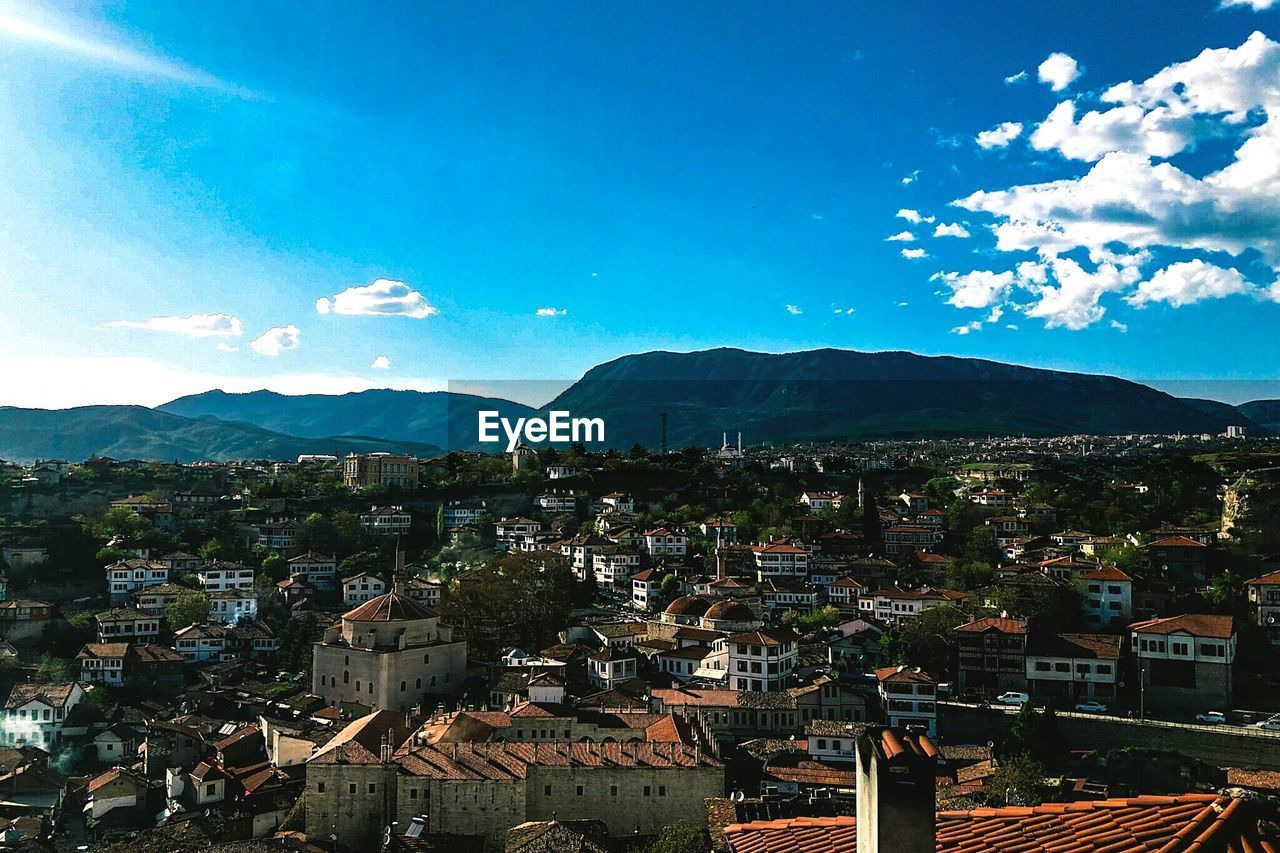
(897, 801)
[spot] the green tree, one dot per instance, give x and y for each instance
(1018, 781)
(189, 608)
(53, 670)
(274, 567)
(680, 837)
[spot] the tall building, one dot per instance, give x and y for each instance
(380, 469)
(389, 653)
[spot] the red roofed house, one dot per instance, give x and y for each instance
(1264, 599)
(909, 696)
(1185, 661)
(1179, 559)
(992, 655)
(1108, 596)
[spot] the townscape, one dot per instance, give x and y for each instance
(633, 650)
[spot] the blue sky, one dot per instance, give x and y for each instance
(285, 194)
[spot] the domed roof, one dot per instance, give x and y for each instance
(390, 607)
(688, 605)
(730, 611)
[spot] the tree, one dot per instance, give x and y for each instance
(316, 533)
(680, 837)
(53, 670)
(669, 589)
(870, 523)
(274, 567)
(1018, 781)
(189, 608)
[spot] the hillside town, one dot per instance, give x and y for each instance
(706, 649)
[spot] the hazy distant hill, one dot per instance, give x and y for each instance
(1264, 412)
(441, 418)
(843, 394)
(814, 395)
(136, 432)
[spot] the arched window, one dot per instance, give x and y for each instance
(370, 686)
(426, 658)
(433, 681)
(346, 677)
(357, 686)
(403, 686)
(418, 684)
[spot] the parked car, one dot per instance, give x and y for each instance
(1213, 718)
(1013, 697)
(1091, 707)
(1272, 724)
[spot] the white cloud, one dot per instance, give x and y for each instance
(68, 38)
(1000, 135)
(381, 363)
(914, 254)
(551, 312)
(193, 326)
(1059, 71)
(912, 216)
(1119, 327)
(977, 288)
(994, 315)
(383, 298)
(911, 178)
(1013, 79)
(1189, 282)
(1157, 133)
(954, 229)
(1255, 5)
(1074, 302)
(794, 309)
(903, 304)
(223, 346)
(845, 310)
(274, 341)
(901, 237)
(973, 326)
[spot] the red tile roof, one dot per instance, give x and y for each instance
(1107, 573)
(390, 607)
(1173, 824)
(1177, 542)
(999, 623)
(1195, 624)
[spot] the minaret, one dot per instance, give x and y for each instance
(398, 579)
(860, 494)
(739, 444)
(719, 551)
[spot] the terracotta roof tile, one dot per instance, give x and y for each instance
(1169, 824)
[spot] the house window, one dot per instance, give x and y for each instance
(319, 787)
(351, 789)
(578, 791)
(210, 788)
(373, 789)
(613, 790)
(662, 790)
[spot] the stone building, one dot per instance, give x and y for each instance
(390, 652)
(366, 778)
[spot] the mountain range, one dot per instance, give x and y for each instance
(815, 395)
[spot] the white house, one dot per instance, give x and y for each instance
(668, 541)
(387, 521)
(780, 560)
(231, 605)
(762, 660)
(125, 576)
(103, 663)
(319, 570)
(217, 576)
(909, 696)
(36, 713)
(360, 588)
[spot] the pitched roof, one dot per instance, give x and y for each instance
(1002, 624)
(509, 761)
(1177, 542)
(1196, 624)
(54, 695)
(360, 742)
(1172, 824)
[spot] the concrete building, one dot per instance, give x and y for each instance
(36, 713)
(360, 588)
(391, 653)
